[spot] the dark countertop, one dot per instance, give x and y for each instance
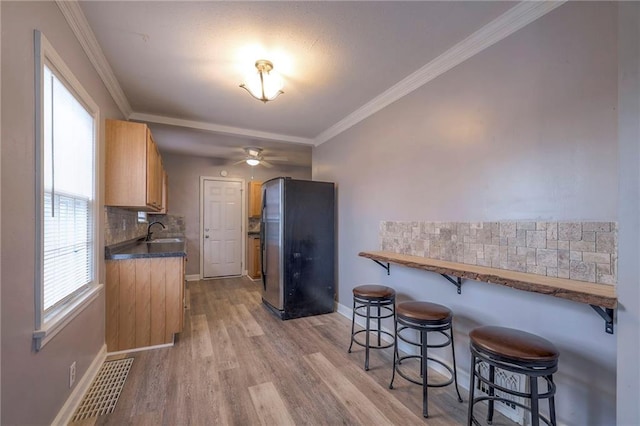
(253, 234)
(140, 249)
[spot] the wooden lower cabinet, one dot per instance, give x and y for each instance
(253, 253)
(144, 302)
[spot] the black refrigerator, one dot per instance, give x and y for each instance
(297, 247)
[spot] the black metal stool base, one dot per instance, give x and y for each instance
(384, 308)
(443, 327)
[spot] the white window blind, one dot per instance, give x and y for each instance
(68, 203)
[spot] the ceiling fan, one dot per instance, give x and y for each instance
(254, 157)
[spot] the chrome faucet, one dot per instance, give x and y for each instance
(149, 233)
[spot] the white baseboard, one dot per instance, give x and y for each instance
(145, 348)
(193, 277)
(73, 402)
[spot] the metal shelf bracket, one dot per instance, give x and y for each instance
(607, 316)
(457, 282)
(387, 266)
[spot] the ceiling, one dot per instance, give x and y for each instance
(182, 63)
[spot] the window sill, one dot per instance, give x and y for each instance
(61, 319)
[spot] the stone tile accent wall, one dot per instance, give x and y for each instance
(254, 224)
(122, 225)
(175, 226)
(582, 251)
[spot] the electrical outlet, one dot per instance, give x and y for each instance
(72, 374)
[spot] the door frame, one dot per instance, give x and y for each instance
(243, 221)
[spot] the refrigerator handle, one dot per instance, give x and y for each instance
(263, 255)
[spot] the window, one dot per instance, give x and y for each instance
(66, 132)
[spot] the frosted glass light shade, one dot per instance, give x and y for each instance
(253, 162)
(265, 85)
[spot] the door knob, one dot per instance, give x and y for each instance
(206, 236)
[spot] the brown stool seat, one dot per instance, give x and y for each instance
(514, 344)
(518, 352)
(373, 291)
(424, 312)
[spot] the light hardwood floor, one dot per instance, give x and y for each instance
(237, 364)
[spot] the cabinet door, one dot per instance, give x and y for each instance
(112, 298)
(165, 193)
(133, 167)
(126, 164)
(144, 302)
(152, 173)
(256, 256)
(255, 198)
(250, 257)
(174, 296)
(159, 177)
(253, 267)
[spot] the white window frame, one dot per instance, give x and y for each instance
(47, 326)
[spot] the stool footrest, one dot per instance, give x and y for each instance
(506, 401)
(372, 345)
(419, 382)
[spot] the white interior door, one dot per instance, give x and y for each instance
(222, 228)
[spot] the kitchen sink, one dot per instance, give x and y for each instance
(166, 240)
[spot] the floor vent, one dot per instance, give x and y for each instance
(507, 380)
(104, 392)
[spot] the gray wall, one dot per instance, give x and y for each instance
(527, 129)
(184, 173)
(629, 213)
(0, 215)
(35, 384)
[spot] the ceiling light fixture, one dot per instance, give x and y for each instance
(265, 85)
(253, 156)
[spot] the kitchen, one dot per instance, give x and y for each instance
(500, 136)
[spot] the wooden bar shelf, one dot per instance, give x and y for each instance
(601, 297)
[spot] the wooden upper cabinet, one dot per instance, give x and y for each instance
(154, 174)
(255, 198)
(133, 167)
(165, 193)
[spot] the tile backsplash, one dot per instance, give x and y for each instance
(582, 251)
(174, 225)
(254, 224)
(122, 225)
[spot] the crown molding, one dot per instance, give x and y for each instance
(219, 128)
(83, 32)
(506, 24)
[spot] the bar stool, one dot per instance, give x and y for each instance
(424, 317)
(518, 352)
(366, 297)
